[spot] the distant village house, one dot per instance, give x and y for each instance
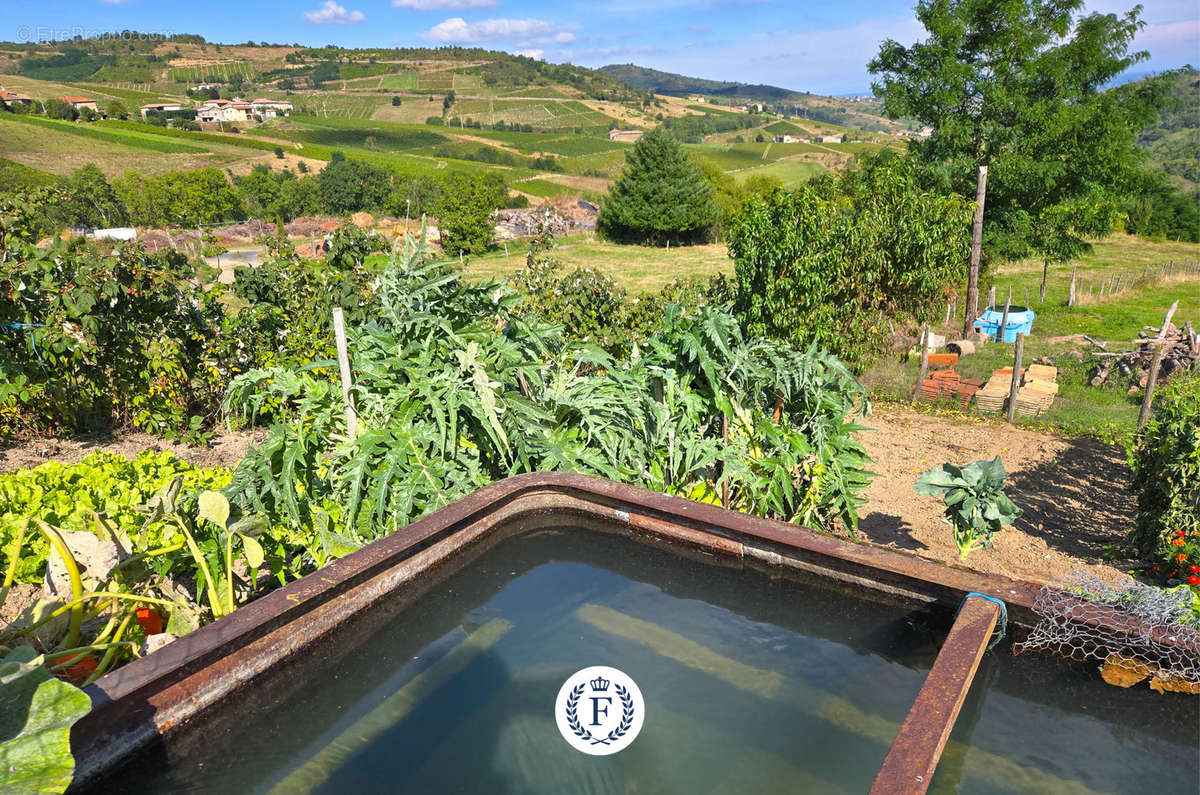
(160, 107)
(625, 136)
(11, 98)
(81, 103)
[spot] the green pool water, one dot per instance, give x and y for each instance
(751, 684)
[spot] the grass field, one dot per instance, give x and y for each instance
(789, 172)
(640, 269)
(60, 148)
(14, 175)
(1109, 412)
(405, 81)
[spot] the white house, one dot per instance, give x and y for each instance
(162, 107)
(223, 110)
(828, 139)
(270, 108)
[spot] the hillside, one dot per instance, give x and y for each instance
(543, 128)
(857, 113)
(1173, 144)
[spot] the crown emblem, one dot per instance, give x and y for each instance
(599, 684)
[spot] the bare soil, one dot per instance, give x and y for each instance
(1073, 493)
(225, 449)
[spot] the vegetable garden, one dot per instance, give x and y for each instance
(456, 384)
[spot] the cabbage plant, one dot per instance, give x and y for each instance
(976, 505)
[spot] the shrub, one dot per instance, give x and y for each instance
(1166, 478)
(826, 263)
(105, 340)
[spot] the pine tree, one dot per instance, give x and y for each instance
(661, 195)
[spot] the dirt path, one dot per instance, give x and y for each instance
(1073, 493)
(226, 449)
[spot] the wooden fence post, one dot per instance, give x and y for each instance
(924, 362)
(991, 297)
(1004, 319)
(1151, 380)
(1016, 377)
(339, 333)
(1071, 294)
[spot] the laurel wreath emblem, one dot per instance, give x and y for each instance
(582, 732)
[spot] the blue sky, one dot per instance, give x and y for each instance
(821, 45)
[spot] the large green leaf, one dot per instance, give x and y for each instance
(36, 715)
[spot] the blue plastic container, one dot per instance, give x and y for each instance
(1020, 321)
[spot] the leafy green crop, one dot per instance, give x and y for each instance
(456, 387)
(68, 496)
(976, 504)
(36, 715)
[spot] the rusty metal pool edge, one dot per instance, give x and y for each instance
(155, 695)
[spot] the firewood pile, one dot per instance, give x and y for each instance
(1180, 347)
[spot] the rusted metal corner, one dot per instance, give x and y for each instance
(913, 757)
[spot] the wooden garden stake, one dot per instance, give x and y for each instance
(947, 320)
(339, 333)
(1071, 295)
(1016, 377)
(724, 441)
(991, 297)
(1027, 296)
(976, 251)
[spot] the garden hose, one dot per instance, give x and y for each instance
(1001, 622)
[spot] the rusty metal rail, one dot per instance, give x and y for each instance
(913, 757)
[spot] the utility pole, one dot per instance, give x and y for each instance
(976, 251)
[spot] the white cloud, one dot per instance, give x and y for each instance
(566, 37)
(330, 13)
(1170, 42)
(438, 5)
(535, 54)
(457, 29)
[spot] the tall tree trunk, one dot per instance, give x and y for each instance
(976, 251)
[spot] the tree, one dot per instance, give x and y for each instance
(91, 199)
(396, 102)
(1018, 86)
(117, 110)
(448, 100)
(348, 186)
(57, 109)
(464, 213)
(827, 263)
(661, 194)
